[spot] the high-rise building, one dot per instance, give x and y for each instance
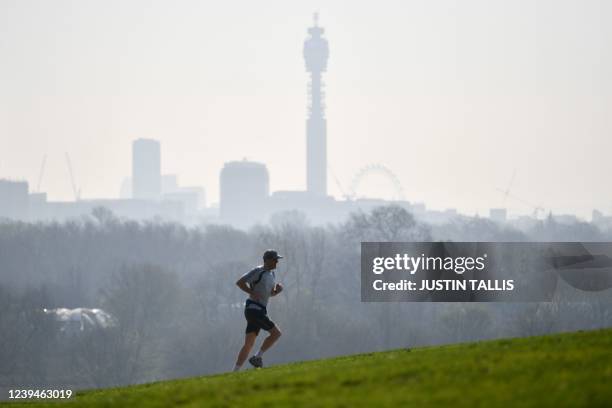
(245, 189)
(14, 200)
(146, 169)
(316, 53)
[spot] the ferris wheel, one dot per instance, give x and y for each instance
(374, 170)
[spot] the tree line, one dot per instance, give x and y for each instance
(171, 289)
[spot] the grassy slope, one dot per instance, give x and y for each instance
(573, 369)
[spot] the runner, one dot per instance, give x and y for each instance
(260, 284)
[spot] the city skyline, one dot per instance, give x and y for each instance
(454, 119)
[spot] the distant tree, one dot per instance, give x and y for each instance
(389, 223)
(104, 216)
(26, 339)
(464, 322)
(551, 230)
(476, 229)
(143, 299)
(536, 319)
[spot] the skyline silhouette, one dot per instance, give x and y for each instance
(417, 88)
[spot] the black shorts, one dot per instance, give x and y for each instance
(257, 320)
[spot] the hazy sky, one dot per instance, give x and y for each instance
(452, 96)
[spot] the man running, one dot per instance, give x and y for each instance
(260, 284)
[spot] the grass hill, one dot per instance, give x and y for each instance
(570, 369)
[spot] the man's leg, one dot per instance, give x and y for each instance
(249, 340)
(274, 335)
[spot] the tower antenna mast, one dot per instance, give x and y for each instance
(316, 54)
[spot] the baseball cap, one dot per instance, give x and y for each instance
(271, 254)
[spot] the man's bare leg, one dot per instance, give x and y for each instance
(249, 341)
(274, 335)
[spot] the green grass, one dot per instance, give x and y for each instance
(571, 369)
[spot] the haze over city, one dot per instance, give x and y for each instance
(457, 102)
(191, 188)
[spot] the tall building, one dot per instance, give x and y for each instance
(14, 200)
(245, 188)
(146, 169)
(316, 53)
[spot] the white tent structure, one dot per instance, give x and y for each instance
(75, 321)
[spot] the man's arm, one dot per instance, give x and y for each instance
(242, 284)
(278, 288)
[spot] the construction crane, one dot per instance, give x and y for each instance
(40, 174)
(507, 191)
(344, 194)
(536, 208)
(77, 193)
